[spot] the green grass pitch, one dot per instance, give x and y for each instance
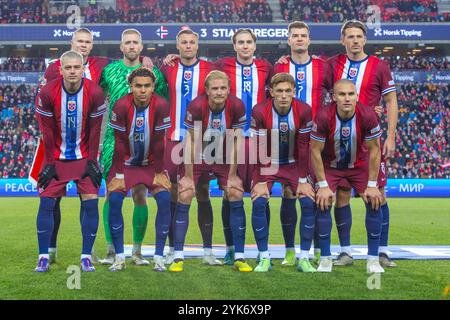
(413, 222)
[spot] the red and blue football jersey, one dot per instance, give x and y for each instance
(344, 139)
(185, 83)
(71, 112)
(247, 82)
(141, 127)
(311, 80)
(371, 76)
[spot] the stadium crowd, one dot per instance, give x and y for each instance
(423, 134)
(341, 10)
(17, 64)
(25, 11)
(219, 11)
(18, 130)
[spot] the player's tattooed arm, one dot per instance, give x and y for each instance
(170, 59)
(392, 117)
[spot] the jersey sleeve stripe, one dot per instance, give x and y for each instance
(117, 127)
(44, 113)
(320, 139)
(163, 127)
(373, 136)
(307, 130)
(188, 125)
(240, 125)
(97, 114)
(388, 90)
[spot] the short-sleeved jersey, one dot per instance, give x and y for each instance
(71, 112)
(312, 80)
(215, 124)
(140, 126)
(344, 138)
(185, 83)
(292, 127)
(93, 69)
(247, 82)
(371, 76)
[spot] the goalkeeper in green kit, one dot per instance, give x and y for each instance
(115, 84)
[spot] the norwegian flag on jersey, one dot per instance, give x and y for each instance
(247, 82)
(185, 83)
(371, 76)
(71, 112)
(296, 123)
(311, 80)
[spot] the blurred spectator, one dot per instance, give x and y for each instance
(427, 63)
(15, 64)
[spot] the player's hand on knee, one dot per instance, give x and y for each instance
(47, 175)
(185, 184)
(162, 180)
(169, 60)
(260, 190)
(93, 172)
(306, 189)
(325, 198)
(374, 196)
(234, 182)
(116, 184)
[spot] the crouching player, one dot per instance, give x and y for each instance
(286, 123)
(214, 117)
(69, 112)
(337, 137)
(139, 120)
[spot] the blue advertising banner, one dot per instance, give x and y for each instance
(20, 77)
(401, 188)
(221, 32)
(422, 76)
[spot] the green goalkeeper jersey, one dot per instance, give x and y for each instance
(115, 84)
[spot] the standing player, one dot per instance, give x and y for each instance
(212, 116)
(290, 120)
(312, 80)
(185, 77)
(249, 78)
(139, 119)
(69, 113)
(373, 80)
(114, 82)
(338, 134)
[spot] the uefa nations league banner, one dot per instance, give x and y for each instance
(16, 33)
(401, 188)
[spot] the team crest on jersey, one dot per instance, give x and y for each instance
(139, 122)
(247, 71)
(353, 72)
(284, 127)
(345, 132)
(71, 105)
(215, 123)
(188, 75)
(300, 75)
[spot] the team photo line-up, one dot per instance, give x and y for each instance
(240, 120)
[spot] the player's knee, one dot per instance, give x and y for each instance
(343, 197)
(235, 194)
(186, 196)
(288, 193)
(115, 201)
(139, 194)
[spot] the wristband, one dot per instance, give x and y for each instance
(302, 180)
(322, 184)
(120, 176)
(372, 184)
